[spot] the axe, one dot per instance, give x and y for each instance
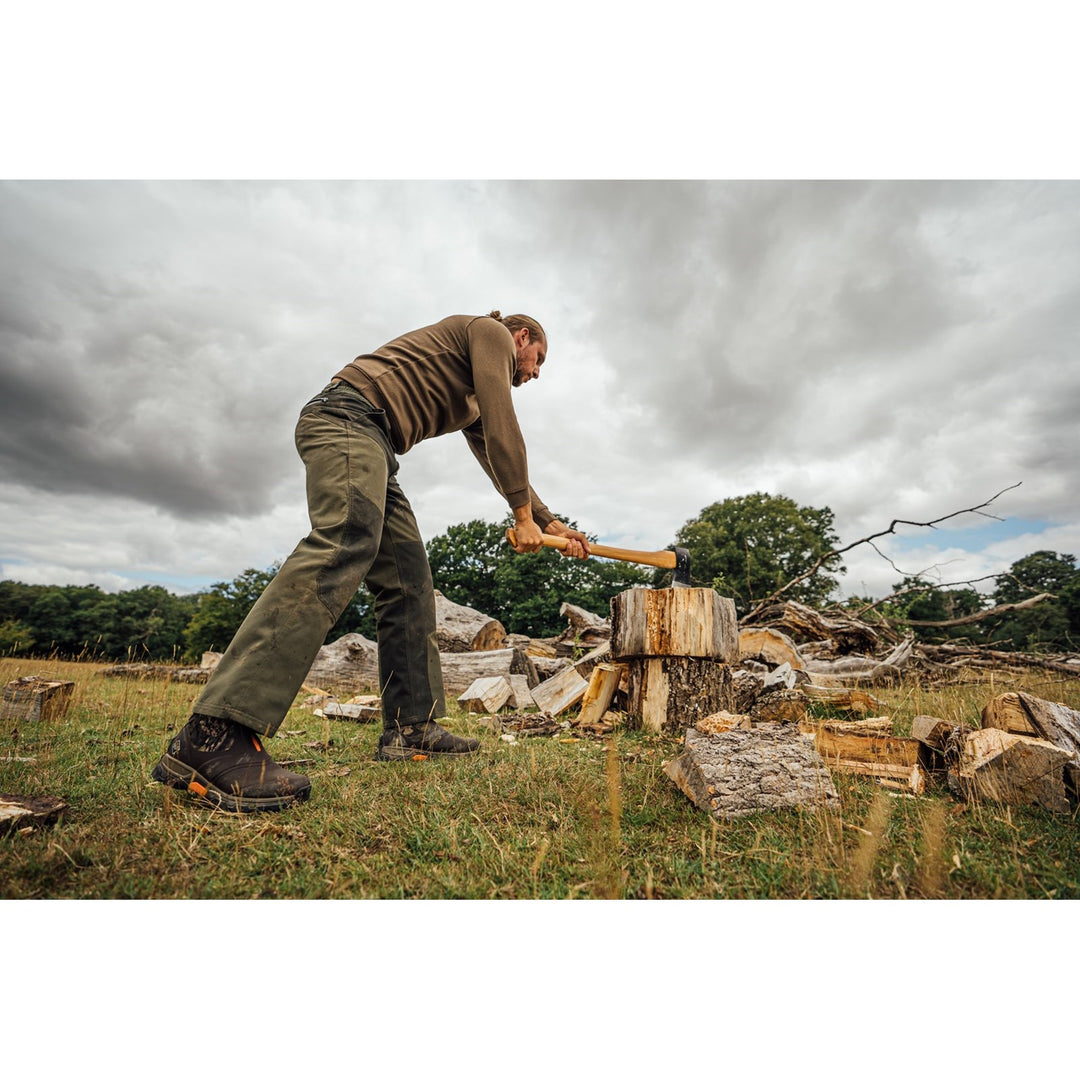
(677, 560)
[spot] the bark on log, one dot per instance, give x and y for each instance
(1014, 769)
(960, 653)
(461, 669)
(464, 629)
(29, 811)
(849, 700)
(673, 622)
(667, 694)
(351, 663)
(734, 773)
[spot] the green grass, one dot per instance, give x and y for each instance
(542, 818)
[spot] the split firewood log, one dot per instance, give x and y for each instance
(1009, 768)
(1025, 714)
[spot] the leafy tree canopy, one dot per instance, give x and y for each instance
(749, 546)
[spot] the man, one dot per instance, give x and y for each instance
(455, 375)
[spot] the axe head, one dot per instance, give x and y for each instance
(682, 569)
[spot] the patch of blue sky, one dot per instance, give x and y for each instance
(967, 538)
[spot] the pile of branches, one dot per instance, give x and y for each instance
(848, 650)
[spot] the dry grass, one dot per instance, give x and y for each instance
(543, 818)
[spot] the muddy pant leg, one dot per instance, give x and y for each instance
(267, 661)
(410, 672)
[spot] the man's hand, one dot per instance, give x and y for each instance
(528, 535)
(578, 547)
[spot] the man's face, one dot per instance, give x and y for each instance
(530, 357)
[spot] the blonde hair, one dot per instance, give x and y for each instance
(516, 322)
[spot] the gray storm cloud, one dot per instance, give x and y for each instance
(884, 348)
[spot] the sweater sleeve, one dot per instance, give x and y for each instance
(474, 435)
(497, 433)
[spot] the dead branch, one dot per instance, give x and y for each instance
(978, 616)
(835, 552)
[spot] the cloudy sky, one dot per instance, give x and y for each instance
(887, 349)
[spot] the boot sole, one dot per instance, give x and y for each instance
(175, 774)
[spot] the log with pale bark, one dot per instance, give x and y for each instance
(773, 647)
(461, 629)
(862, 670)
(584, 628)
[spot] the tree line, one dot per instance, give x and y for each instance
(746, 547)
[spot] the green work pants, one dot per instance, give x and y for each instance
(362, 530)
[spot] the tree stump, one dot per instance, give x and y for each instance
(676, 645)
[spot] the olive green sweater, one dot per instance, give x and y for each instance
(455, 375)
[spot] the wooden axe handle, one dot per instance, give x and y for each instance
(664, 559)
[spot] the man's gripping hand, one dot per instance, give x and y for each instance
(578, 545)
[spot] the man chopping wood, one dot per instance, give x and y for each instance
(455, 375)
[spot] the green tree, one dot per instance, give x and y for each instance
(16, 638)
(1051, 624)
(220, 611)
(749, 546)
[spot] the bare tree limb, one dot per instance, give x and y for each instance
(836, 552)
(978, 616)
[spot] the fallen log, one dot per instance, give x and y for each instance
(737, 772)
(464, 629)
(850, 635)
(945, 653)
(584, 627)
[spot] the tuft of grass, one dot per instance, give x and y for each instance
(542, 818)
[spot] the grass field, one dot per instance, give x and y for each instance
(542, 818)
